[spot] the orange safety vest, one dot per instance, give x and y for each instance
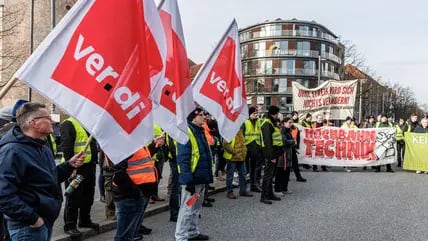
(294, 132)
(141, 167)
(210, 138)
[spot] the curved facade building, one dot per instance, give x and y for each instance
(275, 53)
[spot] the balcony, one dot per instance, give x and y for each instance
(244, 36)
(290, 72)
(290, 53)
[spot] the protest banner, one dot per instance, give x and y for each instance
(334, 100)
(415, 156)
(333, 146)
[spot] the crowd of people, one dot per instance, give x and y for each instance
(31, 196)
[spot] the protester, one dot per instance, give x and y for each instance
(107, 172)
(284, 164)
(295, 132)
(194, 160)
(135, 180)
(318, 124)
(234, 153)
(174, 187)
(78, 204)
(30, 194)
(423, 128)
(160, 157)
(399, 137)
(384, 123)
(412, 123)
(272, 150)
(370, 123)
(213, 146)
(254, 157)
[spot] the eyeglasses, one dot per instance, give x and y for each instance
(201, 114)
(48, 117)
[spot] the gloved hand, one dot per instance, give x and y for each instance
(190, 188)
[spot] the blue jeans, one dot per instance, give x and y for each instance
(27, 233)
(144, 203)
(128, 213)
(240, 166)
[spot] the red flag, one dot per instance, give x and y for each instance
(97, 65)
(219, 86)
(174, 92)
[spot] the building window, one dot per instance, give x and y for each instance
(304, 48)
(289, 100)
(304, 30)
(282, 86)
(268, 100)
(288, 66)
(283, 102)
(275, 85)
(309, 67)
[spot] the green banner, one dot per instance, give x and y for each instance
(415, 157)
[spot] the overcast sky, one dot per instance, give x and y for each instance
(392, 35)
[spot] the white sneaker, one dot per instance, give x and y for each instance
(348, 170)
(234, 183)
(235, 175)
(279, 194)
(418, 172)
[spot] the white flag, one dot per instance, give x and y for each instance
(97, 65)
(219, 87)
(173, 94)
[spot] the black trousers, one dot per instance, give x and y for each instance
(400, 152)
(281, 179)
(254, 159)
(269, 172)
(295, 164)
(78, 204)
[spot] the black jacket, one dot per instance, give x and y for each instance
(270, 151)
(29, 180)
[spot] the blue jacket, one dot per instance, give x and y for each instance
(29, 180)
(203, 173)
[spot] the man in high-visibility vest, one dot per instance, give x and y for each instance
(252, 135)
(78, 204)
(272, 150)
(412, 123)
(399, 137)
(134, 181)
(195, 172)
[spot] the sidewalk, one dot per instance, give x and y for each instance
(98, 214)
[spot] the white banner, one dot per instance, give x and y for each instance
(334, 100)
(333, 146)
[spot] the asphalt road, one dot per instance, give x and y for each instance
(336, 205)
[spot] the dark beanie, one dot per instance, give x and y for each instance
(251, 110)
(194, 113)
(273, 110)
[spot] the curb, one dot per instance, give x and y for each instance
(108, 225)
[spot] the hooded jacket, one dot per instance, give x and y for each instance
(29, 180)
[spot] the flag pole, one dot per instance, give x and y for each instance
(87, 143)
(7, 87)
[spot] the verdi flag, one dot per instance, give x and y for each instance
(173, 94)
(99, 65)
(415, 156)
(219, 87)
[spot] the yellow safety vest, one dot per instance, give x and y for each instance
(80, 141)
(194, 159)
(378, 124)
(227, 155)
(252, 133)
(399, 133)
(276, 135)
(53, 143)
(304, 124)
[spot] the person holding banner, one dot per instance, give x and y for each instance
(423, 128)
(384, 123)
(318, 124)
(412, 123)
(195, 173)
(78, 204)
(399, 137)
(272, 150)
(30, 194)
